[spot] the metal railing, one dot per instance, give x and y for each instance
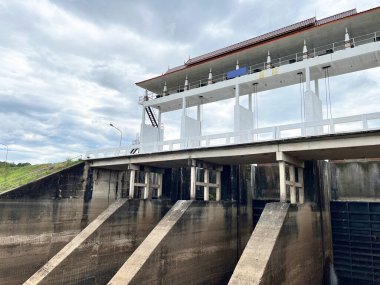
(356, 123)
(276, 62)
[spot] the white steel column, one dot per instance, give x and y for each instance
(316, 87)
(282, 166)
(219, 186)
(159, 118)
(143, 115)
(292, 182)
(132, 184)
(307, 72)
(147, 184)
(206, 191)
(159, 181)
(237, 93)
(159, 125)
(183, 119)
(193, 177)
(313, 106)
(237, 109)
(198, 112)
(301, 191)
(183, 106)
(250, 101)
(142, 123)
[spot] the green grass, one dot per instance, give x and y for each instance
(12, 176)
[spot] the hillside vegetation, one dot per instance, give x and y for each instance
(14, 175)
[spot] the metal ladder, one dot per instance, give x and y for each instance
(152, 116)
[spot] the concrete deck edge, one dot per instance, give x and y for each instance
(257, 253)
(136, 261)
(57, 259)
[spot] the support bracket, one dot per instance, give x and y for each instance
(282, 156)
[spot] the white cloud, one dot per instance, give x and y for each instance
(217, 30)
(68, 69)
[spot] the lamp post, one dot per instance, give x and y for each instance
(121, 133)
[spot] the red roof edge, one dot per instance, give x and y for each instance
(323, 21)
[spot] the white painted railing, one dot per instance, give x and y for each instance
(356, 123)
(275, 62)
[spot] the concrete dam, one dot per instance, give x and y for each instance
(292, 203)
(95, 234)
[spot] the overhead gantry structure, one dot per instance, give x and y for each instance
(300, 53)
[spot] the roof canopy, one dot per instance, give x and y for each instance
(280, 43)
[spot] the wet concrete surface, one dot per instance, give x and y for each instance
(355, 179)
(298, 256)
(35, 223)
(202, 248)
(34, 230)
(97, 259)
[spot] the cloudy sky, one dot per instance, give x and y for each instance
(68, 67)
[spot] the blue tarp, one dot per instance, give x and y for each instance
(236, 73)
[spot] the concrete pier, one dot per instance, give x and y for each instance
(136, 261)
(286, 247)
(197, 241)
(254, 260)
(53, 263)
(99, 257)
(202, 247)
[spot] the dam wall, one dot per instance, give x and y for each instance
(202, 247)
(286, 247)
(355, 180)
(36, 222)
(38, 226)
(99, 257)
(291, 244)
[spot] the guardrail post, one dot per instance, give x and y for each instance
(365, 122)
(277, 133)
(303, 130)
(332, 127)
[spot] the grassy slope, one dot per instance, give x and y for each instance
(12, 177)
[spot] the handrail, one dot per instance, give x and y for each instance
(276, 62)
(305, 129)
